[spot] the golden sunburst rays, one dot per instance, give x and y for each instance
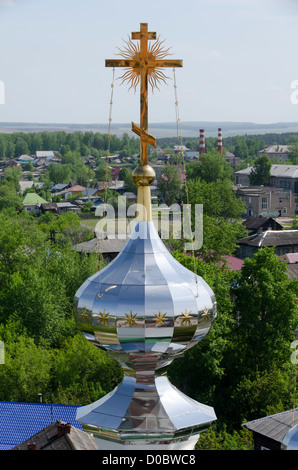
(155, 52)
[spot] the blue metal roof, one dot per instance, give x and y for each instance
(19, 421)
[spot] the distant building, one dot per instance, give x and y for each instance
(72, 191)
(25, 159)
(260, 224)
(281, 176)
(279, 152)
(267, 201)
(232, 160)
(32, 203)
(283, 241)
(180, 148)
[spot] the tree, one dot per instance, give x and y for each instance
(260, 173)
(211, 167)
(266, 322)
(218, 198)
(169, 184)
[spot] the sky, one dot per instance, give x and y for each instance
(239, 60)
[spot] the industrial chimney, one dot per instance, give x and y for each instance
(202, 141)
(219, 141)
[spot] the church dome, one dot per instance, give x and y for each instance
(144, 305)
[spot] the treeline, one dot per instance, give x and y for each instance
(85, 143)
(244, 147)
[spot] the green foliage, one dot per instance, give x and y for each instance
(265, 323)
(169, 184)
(76, 372)
(220, 439)
(218, 198)
(260, 173)
(38, 280)
(211, 167)
(79, 366)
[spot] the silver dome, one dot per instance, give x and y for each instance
(290, 440)
(145, 306)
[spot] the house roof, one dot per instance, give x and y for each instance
(58, 436)
(275, 149)
(90, 191)
(75, 188)
(271, 238)
(103, 246)
(275, 426)
(44, 153)
(59, 186)
(110, 184)
(258, 221)
(290, 258)
(280, 171)
(234, 263)
(33, 199)
(20, 421)
(24, 158)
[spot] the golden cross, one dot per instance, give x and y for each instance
(144, 63)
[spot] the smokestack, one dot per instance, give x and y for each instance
(202, 141)
(219, 141)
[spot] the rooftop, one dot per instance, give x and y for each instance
(58, 436)
(280, 171)
(271, 238)
(20, 421)
(275, 426)
(32, 199)
(275, 149)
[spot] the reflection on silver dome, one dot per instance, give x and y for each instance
(290, 441)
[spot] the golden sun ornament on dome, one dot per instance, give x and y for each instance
(130, 319)
(103, 316)
(160, 319)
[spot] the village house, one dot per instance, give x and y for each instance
(283, 241)
(258, 224)
(267, 201)
(278, 152)
(32, 203)
(281, 176)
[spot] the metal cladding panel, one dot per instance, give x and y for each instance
(290, 441)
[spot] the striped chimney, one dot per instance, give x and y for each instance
(202, 141)
(219, 141)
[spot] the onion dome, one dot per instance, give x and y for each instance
(145, 304)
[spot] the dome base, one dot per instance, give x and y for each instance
(145, 412)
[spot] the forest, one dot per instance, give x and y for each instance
(243, 366)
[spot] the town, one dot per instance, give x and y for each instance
(248, 189)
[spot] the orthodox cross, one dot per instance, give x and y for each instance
(143, 64)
